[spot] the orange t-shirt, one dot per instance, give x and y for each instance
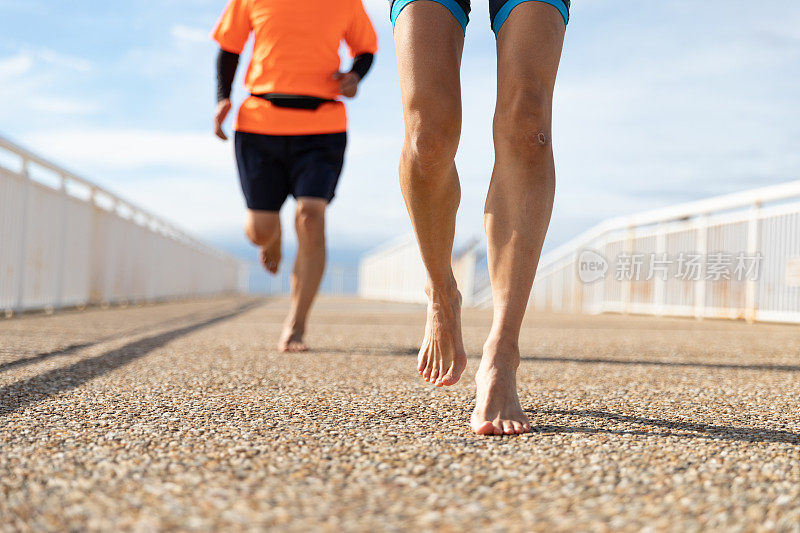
(295, 51)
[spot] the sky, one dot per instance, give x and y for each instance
(656, 103)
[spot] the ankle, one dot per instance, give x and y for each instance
(294, 325)
(442, 292)
(500, 352)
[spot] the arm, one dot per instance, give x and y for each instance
(361, 65)
(363, 43)
(231, 33)
(226, 72)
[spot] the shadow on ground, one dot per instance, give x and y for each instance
(20, 394)
(72, 348)
(645, 362)
(679, 428)
(406, 350)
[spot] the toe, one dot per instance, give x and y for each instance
(426, 374)
(440, 374)
(497, 428)
(484, 428)
(423, 362)
(508, 427)
(449, 378)
(453, 374)
(297, 346)
(434, 374)
(517, 426)
(526, 427)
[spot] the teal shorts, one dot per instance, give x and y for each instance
(499, 10)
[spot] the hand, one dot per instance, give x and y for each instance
(348, 83)
(223, 107)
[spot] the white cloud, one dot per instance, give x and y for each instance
(188, 35)
(15, 66)
(69, 62)
(32, 80)
(116, 150)
(62, 106)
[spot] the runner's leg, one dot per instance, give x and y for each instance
(263, 228)
(308, 269)
(429, 42)
(519, 202)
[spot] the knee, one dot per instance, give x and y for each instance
(432, 140)
(262, 232)
(310, 226)
(522, 122)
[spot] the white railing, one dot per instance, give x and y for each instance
(395, 272)
(66, 242)
(745, 248)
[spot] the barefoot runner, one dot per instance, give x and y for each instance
(291, 131)
(429, 37)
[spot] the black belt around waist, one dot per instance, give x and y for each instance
(295, 101)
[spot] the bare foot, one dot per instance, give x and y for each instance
(497, 409)
(291, 340)
(271, 256)
(441, 358)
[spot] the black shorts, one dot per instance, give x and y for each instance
(271, 167)
(498, 10)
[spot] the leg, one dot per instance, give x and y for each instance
(520, 201)
(308, 269)
(429, 43)
(263, 228)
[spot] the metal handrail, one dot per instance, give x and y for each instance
(51, 294)
(685, 211)
(151, 220)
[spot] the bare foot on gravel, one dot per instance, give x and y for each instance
(497, 409)
(291, 340)
(271, 256)
(441, 358)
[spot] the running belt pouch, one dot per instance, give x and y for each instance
(295, 101)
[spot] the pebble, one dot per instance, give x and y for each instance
(183, 416)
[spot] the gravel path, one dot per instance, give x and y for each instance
(183, 416)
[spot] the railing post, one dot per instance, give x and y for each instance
(753, 245)
(600, 294)
(95, 273)
(700, 283)
(19, 305)
(660, 282)
(628, 284)
(110, 260)
(62, 247)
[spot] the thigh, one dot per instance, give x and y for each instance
(429, 43)
(262, 170)
(316, 164)
(528, 52)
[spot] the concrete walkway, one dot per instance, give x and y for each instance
(184, 416)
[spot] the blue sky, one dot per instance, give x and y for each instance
(656, 103)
